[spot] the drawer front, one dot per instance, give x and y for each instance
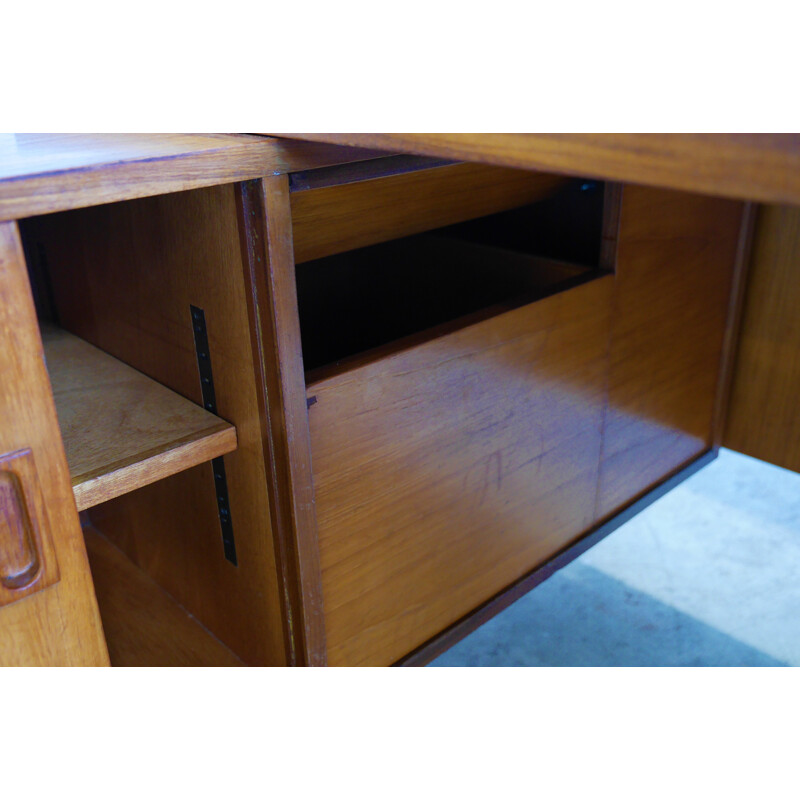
(446, 471)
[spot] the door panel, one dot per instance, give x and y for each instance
(48, 611)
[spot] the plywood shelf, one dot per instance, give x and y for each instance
(121, 429)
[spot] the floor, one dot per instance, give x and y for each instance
(709, 575)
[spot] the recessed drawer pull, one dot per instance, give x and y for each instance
(27, 560)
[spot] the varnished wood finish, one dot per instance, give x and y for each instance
(121, 429)
(675, 262)
(763, 418)
(455, 633)
(745, 166)
(409, 292)
(447, 468)
(42, 173)
(362, 171)
(612, 209)
(266, 231)
(144, 626)
(339, 218)
(733, 323)
(27, 559)
(59, 625)
(124, 278)
(447, 471)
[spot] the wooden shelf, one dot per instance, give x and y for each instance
(121, 429)
(145, 626)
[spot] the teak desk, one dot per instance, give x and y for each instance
(337, 399)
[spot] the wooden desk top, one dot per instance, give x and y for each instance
(43, 173)
(748, 166)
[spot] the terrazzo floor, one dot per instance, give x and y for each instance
(709, 575)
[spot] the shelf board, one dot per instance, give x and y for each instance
(122, 430)
(145, 626)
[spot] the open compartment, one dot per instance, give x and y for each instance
(456, 386)
(121, 429)
(147, 342)
(353, 304)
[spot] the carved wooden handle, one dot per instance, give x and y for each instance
(19, 556)
(27, 560)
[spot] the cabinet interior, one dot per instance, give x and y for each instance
(132, 423)
(353, 304)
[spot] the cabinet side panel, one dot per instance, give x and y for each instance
(675, 262)
(763, 419)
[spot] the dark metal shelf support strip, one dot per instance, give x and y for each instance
(210, 404)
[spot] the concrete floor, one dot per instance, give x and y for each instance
(709, 575)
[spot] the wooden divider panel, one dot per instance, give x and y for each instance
(448, 470)
(675, 261)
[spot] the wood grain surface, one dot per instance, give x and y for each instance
(144, 626)
(123, 278)
(446, 471)
(266, 230)
(733, 323)
(675, 262)
(746, 166)
(481, 615)
(338, 218)
(59, 625)
(763, 418)
(27, 559)
(45, 172)
(121, 429)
